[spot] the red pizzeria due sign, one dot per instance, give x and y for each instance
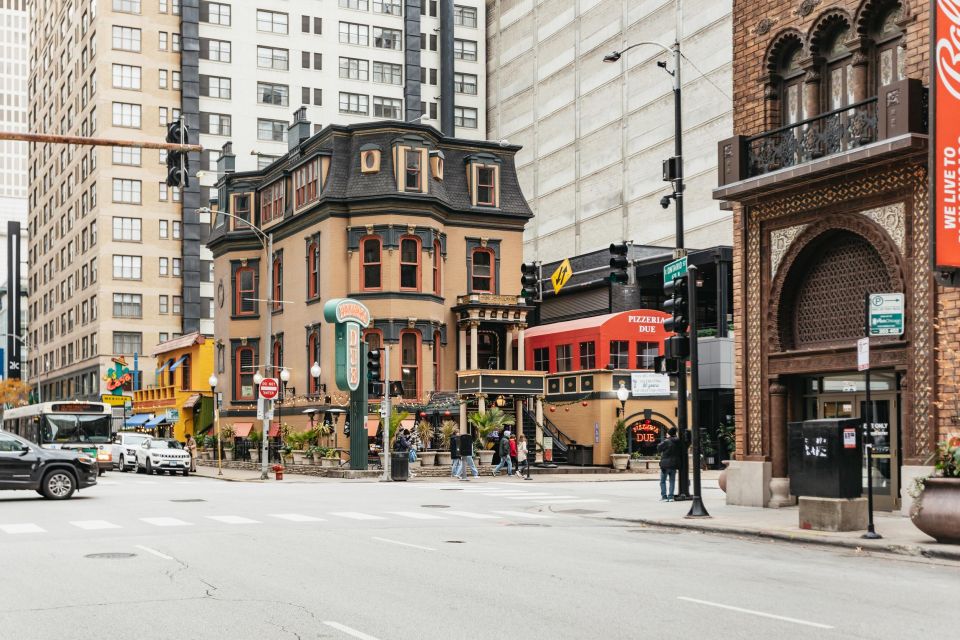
(946, 80)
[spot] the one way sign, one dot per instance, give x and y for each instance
(561, 276)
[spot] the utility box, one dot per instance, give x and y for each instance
(826, 458)
(580, 455)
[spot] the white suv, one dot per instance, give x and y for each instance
(157, 455)
(125, 447)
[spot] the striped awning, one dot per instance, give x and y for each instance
(161, 419)
(176, 364)
(137, 420)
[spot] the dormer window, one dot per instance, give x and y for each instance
(483, 180)
(306, 184)
(412, 171)
(486, 186)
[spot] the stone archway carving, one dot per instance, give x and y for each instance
(836, 240)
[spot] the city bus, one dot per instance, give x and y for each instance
(84, 426)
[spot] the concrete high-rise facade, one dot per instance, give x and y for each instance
(595, 134)
(106, 234)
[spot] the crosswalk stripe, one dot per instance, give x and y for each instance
(233, 520)
(94, 525)
(568, 501)
(523, 514)
(537, 496)
(166, 522)
(21, 528)
(415, 515)
(356, 515)
(295, 517)
(470, 514)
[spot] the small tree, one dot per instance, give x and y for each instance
(448, 429)
(486, 423)
(619, 438)
(14, 392)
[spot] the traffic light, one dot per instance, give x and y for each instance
(373, 372)
(178, 163)
(619, 263)
(678, 305)
(530, 283)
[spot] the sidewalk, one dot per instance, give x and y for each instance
(242, 475)
(899, 535)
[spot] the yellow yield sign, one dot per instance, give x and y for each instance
(561, 276)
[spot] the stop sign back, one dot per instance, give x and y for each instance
(269, 388)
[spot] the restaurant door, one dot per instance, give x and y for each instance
(845, 397)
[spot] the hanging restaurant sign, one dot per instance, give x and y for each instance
(946, 118)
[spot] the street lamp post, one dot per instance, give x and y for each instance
(266, 241)
(284, 379)
(212, 381)
(623, 394)
(677, 195)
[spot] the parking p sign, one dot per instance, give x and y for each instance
(885, 314)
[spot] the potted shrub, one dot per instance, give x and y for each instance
(210, 450)
(485, 424)
(618, 442)
(256, 442)
(226, 434)
(425, 433)
(330, 458)
(298, 445)
(448, 429)
(936, 506)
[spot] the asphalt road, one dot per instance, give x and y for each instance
(201, 559)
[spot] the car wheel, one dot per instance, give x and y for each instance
(101, 472)
(123, 465)
(139, 468)
(149, 470)
(58, 485)
(185, 473)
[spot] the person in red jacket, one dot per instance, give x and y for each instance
(513, 452)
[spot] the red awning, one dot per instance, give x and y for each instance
(372, 425)
(408, 423)
(274, 430)
(242, 429)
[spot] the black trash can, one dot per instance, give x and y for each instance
(399, 465)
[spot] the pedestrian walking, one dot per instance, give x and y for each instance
(191, 447)
(504, 455)
(456, 470)
(513, 452)
(466, 457)
(521, 453)
(669, 450)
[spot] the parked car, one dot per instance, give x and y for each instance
(124, 449)
(53, 473)
(157, 455)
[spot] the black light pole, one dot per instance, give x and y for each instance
(697, 510)
(673, 172)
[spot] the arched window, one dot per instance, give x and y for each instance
(313, 355)
(890, 49)
(436, 361)
(410, 263)
(436, 267)
(837, 69)
(171, 372)
(245, 292)
(185, 374)
(791, 87)
(482, 275)
(370, 257)
(244, 364)
(278, 281)
(410, 363)
(313, 270)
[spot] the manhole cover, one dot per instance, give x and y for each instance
(110, 556)
(454, 541)
(435, 506)
(526, 524)
(451, 489)
(581, 512)
(189, 500)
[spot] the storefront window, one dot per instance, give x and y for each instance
(646, 352)
(564, 358)
(541, 359)
(620, 354)
(588, 355)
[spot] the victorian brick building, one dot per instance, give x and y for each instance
(828, 183)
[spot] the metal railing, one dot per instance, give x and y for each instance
(833, 132)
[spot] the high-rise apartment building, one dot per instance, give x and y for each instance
(594, 134)
(14, 62)
(105, 254)
(346, 61)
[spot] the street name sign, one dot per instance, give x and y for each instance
(269, 388)
(561, 276)
(675, 269)
(885, 314)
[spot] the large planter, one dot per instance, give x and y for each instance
(619, 461)
(427, 458)
(228, 454)
(329, 462)
(722, 478)
(641, 464)
(443, 458)
(486, 456)
(299, 457)
(937, 511)
(254, 454)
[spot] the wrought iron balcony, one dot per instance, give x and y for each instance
(888, 127)
(838, 130)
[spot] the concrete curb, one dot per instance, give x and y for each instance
(914, 550)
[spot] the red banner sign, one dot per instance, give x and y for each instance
(947, 132)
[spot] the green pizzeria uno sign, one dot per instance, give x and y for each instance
(351, 318)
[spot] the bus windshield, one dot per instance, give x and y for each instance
(72, 428)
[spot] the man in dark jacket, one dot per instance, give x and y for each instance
(456, 469)
(466, 456)
(504, 455)
(669, 450)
